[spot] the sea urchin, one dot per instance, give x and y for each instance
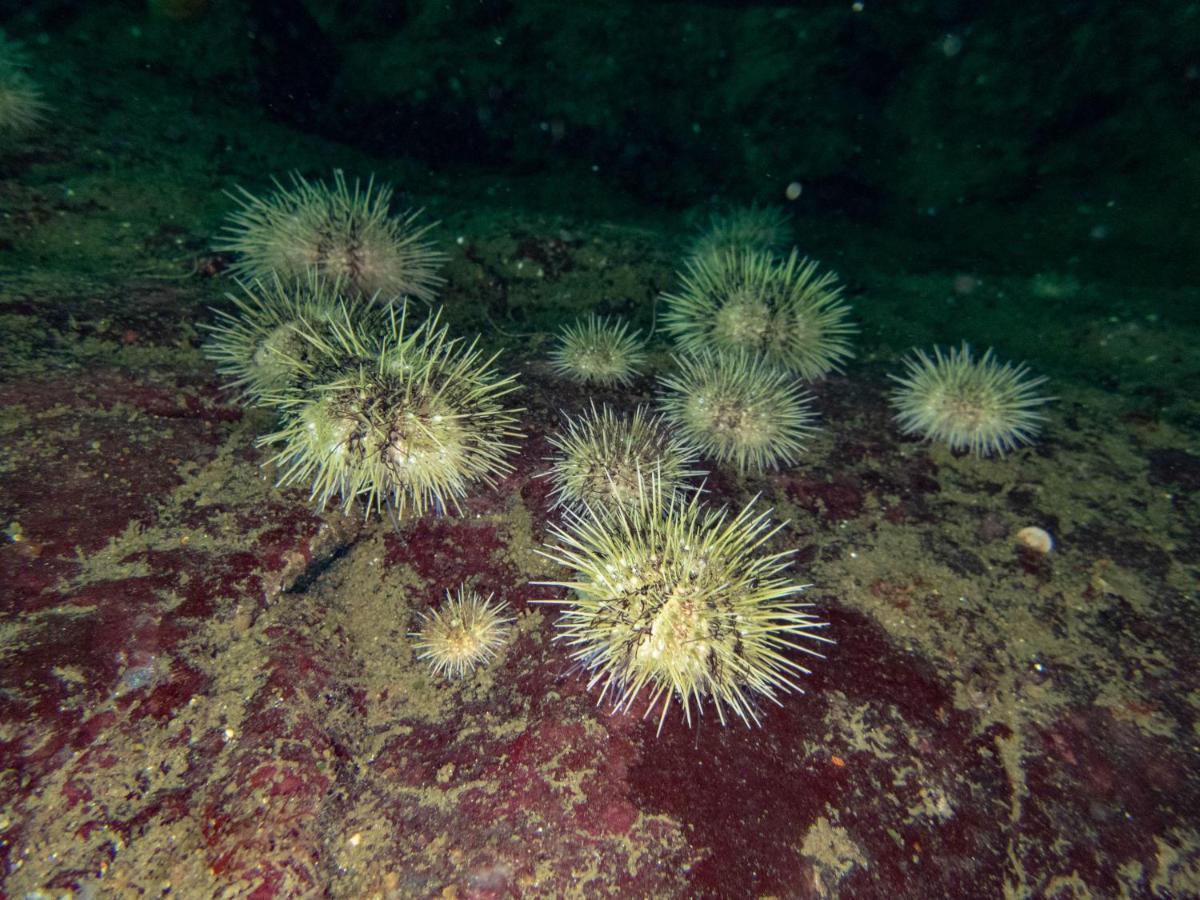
(682, 603)
(983, 406)
(745, 301)
(465, 632)
(764, 228)
(405, 422)
(21, 104)
(260, 343)
(598, 351)
(738, 409)
(602, 457)
(345, 233)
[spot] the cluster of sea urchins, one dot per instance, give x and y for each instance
(374, 400)
(671, 600)
(744, 310)
(750, 327)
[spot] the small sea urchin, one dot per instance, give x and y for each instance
(405, 422)
(745, 301)
(598, 351)
(762, 228)
(983, 406)
(682, 603)
(466, 632)
(260, 343)
(603, 457)
(345, 233)
(738, 409)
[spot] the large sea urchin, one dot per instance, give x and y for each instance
(683, 603)
(406, 422)
(603, 457)
(598, 351)
(465, 632)
(738, 409)
(744, 301)
(344, 233)
(983, 406)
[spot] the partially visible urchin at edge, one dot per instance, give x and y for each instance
(22, 108)
(345, 233)
(978, 405)
(762, 228)
(671, 601)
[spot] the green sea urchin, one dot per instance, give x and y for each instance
(983, 406)
(260, 344)
(738, 409)
(21, 105)
(467, 631)
(683, 603)
(598, 351)
(744, 301)
(762, 228)
(407, 422)
(344, 233)
(602, 457)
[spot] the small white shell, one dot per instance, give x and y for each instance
(1035, 539)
